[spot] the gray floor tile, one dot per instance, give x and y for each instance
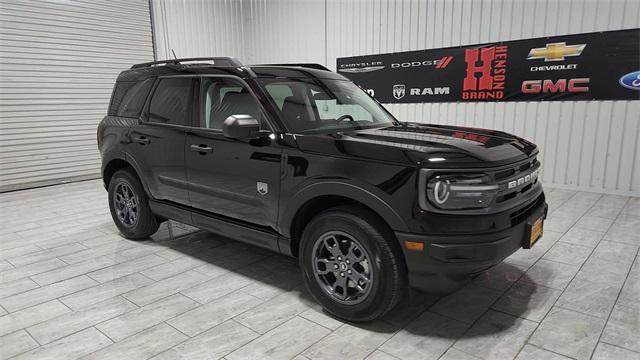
(615, 252)
(145, 317)
(142, 345)
(70, 323)
(623, 327)
(316, 314)
(604, 211)
(163, 288)
(559, 223)
(15, 287)
(274, 312)
(427, 337)
(211, 344)
(31, 316)
(71, 347)
(567, 253)
(529, 301)
(102, 250)
(68, 272)
(16, 343)
(551, 274)
(98, 293)
(631, 222)
(582, 237)
(530, 352)
(213, 313)
(283, 342)
(46, 293)
(598, 270)
(568, 333)
(351, 341)
(217, 287)
(30, 270)
(455, 354)
(467, 304)
(126, 268)
(410, 306)
(594, 223)
(623, 235)
(46, 254)
(588, 297)
(605, 352)
(379, 355)
(496, 336)
(501, 276)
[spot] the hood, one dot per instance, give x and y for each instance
(434, 146)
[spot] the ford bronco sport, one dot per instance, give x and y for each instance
(299, 160)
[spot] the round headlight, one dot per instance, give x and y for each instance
(441, 191)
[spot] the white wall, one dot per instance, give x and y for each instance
(586, 145)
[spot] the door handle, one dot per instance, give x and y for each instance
(142, 140)
(202, 149)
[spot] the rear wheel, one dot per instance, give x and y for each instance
(352, 264)
(129, 206)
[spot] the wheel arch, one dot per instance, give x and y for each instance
(318, 197)
(116, 164)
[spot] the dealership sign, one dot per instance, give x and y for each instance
(593, 66)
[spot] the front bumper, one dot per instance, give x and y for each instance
(448, 261)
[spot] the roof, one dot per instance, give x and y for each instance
(225, 66)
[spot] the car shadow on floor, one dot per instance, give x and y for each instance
(421, 314)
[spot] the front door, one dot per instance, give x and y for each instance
(236, 179)
(157, 142)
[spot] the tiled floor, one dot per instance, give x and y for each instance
(70, 287)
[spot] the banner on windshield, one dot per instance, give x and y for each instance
(593, 66)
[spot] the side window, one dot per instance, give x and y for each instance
(128, 97)
(279, 92)
(223, 97)
(170, 101)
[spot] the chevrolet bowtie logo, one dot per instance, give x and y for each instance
(556, 51)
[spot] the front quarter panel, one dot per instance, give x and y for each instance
(387, 189)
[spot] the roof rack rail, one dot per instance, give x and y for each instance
(221, 61)
(306, 65)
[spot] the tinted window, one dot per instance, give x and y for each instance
(223, 97)
(170, 101)
(324, 105)
(128, 97)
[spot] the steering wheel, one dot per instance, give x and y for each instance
(345, 117)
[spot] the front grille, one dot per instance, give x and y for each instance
(522, 214)
(512, 174)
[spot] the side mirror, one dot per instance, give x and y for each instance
(241, 127)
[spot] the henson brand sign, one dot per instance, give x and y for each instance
(593, 66)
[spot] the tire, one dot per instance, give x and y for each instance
(383, 265)
(144, 223)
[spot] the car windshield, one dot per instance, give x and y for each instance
(319, 105)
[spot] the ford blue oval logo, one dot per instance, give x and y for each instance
(631, 80)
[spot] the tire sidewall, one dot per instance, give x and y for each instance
(372, 240)
(139, 230)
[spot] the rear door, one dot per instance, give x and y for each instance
(157, 142)
(238, 179)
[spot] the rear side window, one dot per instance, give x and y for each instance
(128, 98)
(170, 101)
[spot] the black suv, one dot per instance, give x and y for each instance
(298, 159)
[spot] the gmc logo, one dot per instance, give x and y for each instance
(560, 86)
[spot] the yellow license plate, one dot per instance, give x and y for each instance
(536, 232)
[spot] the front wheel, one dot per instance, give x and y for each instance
(129, 206)
(352, 264)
